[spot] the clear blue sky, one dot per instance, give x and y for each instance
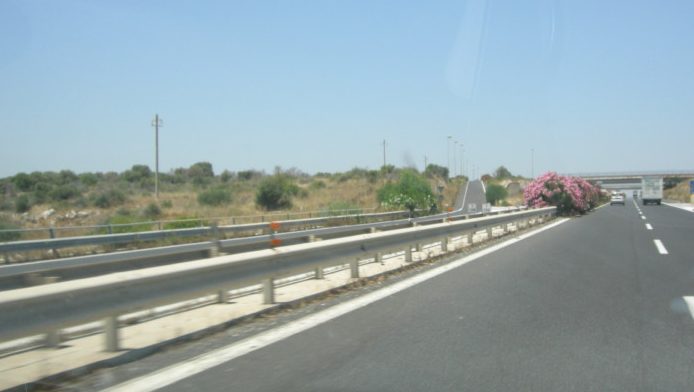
(317, 85)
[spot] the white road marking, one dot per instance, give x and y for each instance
(180, 371)
(683, 206)
(660, 246)
(648, 226)
(643, 217)
(690, 304)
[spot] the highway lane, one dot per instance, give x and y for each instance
(473, 197)
(588, 305)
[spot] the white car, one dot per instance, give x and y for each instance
(617, 198)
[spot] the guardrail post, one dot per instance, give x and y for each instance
(408, 254)
(470, 238)
(490, 233)
(53, 339)
(419, 247)
(223, 296)
(51, 233)
(216, 244)
(354, 268)
(111, 333)
(269, 291)
(378, 258)
(444, 244)
(109, 228)
(373, 230)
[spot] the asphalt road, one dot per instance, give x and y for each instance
(590, 305)
(472, 199)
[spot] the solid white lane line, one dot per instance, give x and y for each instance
(690, 304)
(660, 246)
(180, 371)
(648, 226)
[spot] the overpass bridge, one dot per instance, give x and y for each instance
(632, 179)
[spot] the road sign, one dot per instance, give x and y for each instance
(691, 187)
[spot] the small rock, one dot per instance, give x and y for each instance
(47, 213)
(71, 215)
(83, 214)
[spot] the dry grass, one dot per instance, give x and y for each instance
(679, 193)
(333, 193)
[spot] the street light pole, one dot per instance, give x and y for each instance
(156, 123)
(448, 151)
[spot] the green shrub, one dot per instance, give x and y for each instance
(182, 222)
(215, 196)
(226, 176)
(276, 192)
(24, 182)
(166, 204)
(67, 177)
(128, 220)
(109, 198)
(89, 179)
(41, 192)
(22, 204)
(316, 185)
(152, 211)
(412, 191)
(495, 193)
(63, 192)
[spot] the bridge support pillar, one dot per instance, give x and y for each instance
(111, 333)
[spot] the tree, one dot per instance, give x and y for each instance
(137, 173)
(502, 173)
(201, 169)
(495, 193)
(433, 170)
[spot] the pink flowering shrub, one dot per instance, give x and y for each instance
(569, 194)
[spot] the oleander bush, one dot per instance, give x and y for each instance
(571, 195)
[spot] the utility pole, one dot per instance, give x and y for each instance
(425, 163)
(462, 151)
(384, 154)
(156, 123)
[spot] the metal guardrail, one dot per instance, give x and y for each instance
(13, 275)
(48, 308)
(124, 238)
